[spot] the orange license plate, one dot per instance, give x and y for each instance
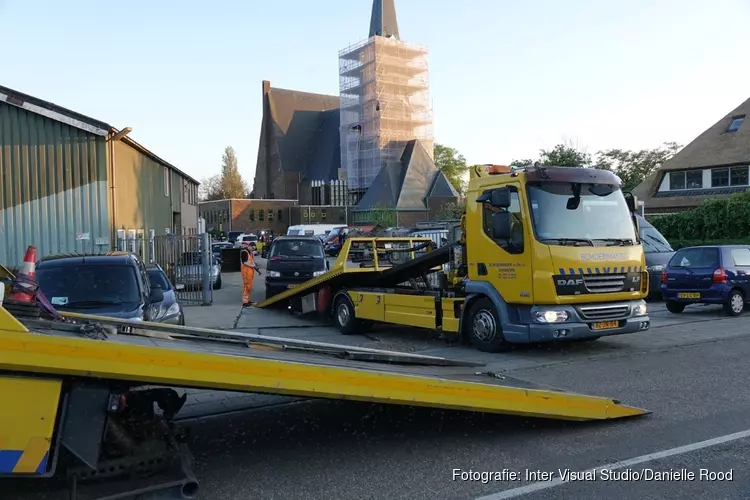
(605, 325)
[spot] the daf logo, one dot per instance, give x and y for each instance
(296, 274)
(570, 282)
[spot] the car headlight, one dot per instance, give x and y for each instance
(172, 310)
(273, 274)
(655, 269)
(640, 309)
(551, 316)
(319, 273)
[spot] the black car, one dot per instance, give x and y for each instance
(293, 260)
(168, 310)
(115, 285)
(658, 252)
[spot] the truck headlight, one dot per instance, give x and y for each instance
(273, 274)
(318, 273)
(655, 269)
(640, 309)
(551, 316)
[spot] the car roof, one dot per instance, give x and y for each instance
(72, 259)
(307, 237)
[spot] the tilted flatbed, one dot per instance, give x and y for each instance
(74, 386)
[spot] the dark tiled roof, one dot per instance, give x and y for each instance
(383, 21)
(306, 127)
(442, 187)
(405, 184)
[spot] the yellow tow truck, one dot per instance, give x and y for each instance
(541, 254)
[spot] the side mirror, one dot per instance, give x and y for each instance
(632, 202)
(500, 198)
(501, 226)
(157, 294)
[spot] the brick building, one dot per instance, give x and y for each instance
(248, 215)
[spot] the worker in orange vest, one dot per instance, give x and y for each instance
(248, 273)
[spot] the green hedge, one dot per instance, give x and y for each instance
(724, 221)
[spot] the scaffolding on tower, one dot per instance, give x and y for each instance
(385, 102)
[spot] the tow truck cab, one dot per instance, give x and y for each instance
(551, 253)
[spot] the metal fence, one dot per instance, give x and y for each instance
(186, 259)
(441, 238)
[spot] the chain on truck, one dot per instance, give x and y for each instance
(541, 254)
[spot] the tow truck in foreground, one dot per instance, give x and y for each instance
(541, 254)
(78, 398)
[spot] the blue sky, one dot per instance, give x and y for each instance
(507, 78)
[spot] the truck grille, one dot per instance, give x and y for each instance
(604, 283)
(609, 311)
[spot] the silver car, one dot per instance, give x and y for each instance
(189, 271)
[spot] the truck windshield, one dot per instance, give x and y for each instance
(601, 216)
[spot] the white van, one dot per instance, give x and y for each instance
(312, 229)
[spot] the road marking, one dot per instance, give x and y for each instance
(543, 485)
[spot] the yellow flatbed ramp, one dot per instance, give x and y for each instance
(190, 357)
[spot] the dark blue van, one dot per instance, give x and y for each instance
(708, 275)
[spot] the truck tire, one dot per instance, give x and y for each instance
(344, 315)
(484, 327)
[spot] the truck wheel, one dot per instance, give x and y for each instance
(343, 314)
(485, 331)
(675, 307)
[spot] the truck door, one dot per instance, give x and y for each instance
(507, 263)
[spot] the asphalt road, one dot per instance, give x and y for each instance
(689, 370)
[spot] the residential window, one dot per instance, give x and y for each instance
(690, 179)
(270, 215)
(184, 188)
(729, 176)
(719, 177)
(252, 215)
(736, 123)
(166, 181)
(279, 215)
(738, 176)
(261, 215)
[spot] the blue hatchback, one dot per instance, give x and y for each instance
(708, 275)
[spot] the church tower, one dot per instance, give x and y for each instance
(385, 101)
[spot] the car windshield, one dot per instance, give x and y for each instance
(88, 285)
(694, 257)
(600, 216)
(653, 241)
(297, 249)
(157, 278)
(233, 235)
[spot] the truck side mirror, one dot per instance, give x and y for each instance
(501, 226)
(500, 198)
(632, 202)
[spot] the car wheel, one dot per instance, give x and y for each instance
(675, 307)
(485, 330)
(217, 285)
(344, 315)
(735, 304)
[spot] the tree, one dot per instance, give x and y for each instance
(453, 165)
(451, 211)
(232, 185)
(633, 167)
(210, 189)
(562, 155)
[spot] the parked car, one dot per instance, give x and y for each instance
(168, 310)
(232, 236)
(114, 285)
(248, 241)
(293, 260)
(658, 253)
(708, 275)
(189, 271)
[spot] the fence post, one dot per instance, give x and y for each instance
(151, 245)
(206, 259)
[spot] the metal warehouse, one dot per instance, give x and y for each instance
(70, 182)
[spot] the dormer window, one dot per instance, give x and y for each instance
(736, 123)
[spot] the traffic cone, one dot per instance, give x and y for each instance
(28, 269)
(22, 301)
